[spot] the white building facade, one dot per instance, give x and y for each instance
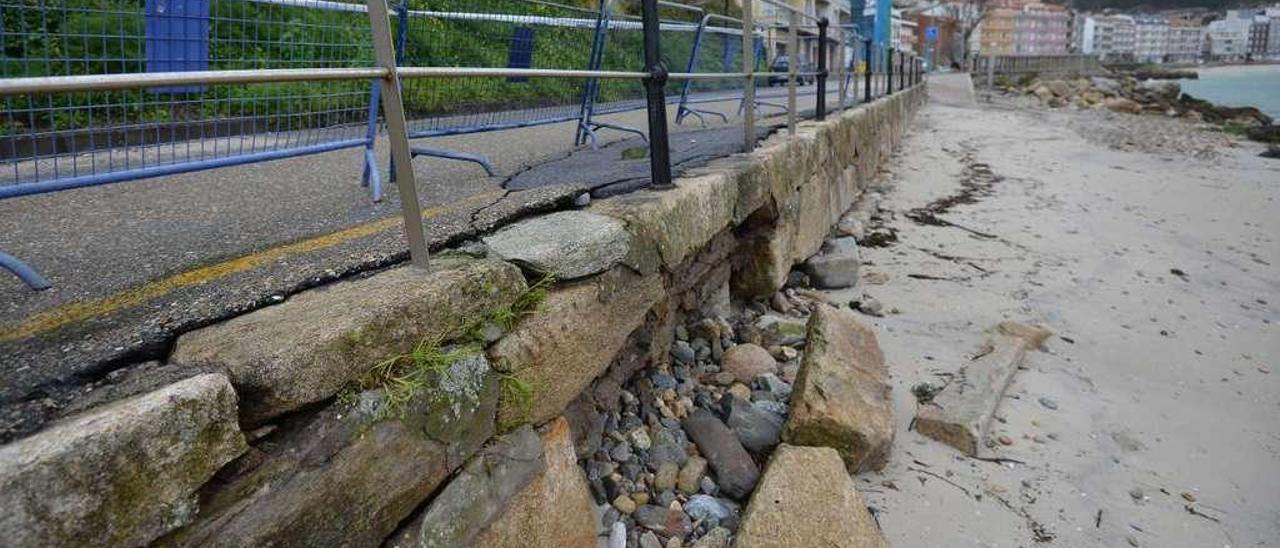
(1110, 37)
(1151, 38)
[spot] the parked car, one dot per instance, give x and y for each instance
(782, 63)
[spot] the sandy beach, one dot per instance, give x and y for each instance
(1148, 246)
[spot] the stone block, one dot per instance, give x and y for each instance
(806, 498)
(121, 474)
(555, 509)
(350, 473)
(841, 398)
(571, 340)
(477, 495)
(960, 415)
(567, 244)
(306, 349)
(670, 225)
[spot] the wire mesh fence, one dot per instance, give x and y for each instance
(93, 90)
(64, 140)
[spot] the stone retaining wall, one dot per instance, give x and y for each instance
(346, 415)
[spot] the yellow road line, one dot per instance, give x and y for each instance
(76, 312)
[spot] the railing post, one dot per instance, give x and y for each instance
(991, 73)
(749, 68)
(866, 76)
(655, 84)
(888, 75)
(398, 134)
(793, 49)
(821, 113)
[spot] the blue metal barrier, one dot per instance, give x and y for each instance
(56, 142)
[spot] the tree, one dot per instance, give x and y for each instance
(968, 15)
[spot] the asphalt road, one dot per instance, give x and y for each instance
(137, 263)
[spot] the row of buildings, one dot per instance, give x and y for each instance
(1033, 27)
(1246, 34)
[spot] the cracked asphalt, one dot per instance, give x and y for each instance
(135, 264)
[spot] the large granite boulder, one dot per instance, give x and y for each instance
(841, 398)
(806, 498)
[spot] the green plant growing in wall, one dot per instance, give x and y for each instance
(405, 376)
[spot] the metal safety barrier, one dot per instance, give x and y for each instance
(72, 137)
(104, 91)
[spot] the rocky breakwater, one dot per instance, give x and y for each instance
(1163, 97)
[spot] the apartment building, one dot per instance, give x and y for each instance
(1110, 37)
(1041, 29)
(1184, 40)
(1227, 39)
(1259, 29)
(1273, 32)
(1151, 38)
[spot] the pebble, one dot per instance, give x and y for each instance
(723, 378)
(780, 389)
(783, 353)
(774, 407)
(690, 476)
(740, 391)
(641, 498)
(611, 516)
(1048, 403)
(736, 472)
(683, 353)
(746, 361)
(649, 540)
(717, 537)
(624, 504)
(706, 508)
(582, 200)
(640, 439)
(621, 452)
(1005, 440)
(1136, 494)
(665, 479)
(778, 302)
(618, 535)
(868, 305)
(1131, 540)
(663, 381)
(708, 486)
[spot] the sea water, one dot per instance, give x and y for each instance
(1239, 86)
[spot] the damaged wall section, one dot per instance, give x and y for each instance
(344, 415)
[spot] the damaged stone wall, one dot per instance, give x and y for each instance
(355, 414)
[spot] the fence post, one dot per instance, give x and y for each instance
(749, 68)
(866, 74)
(991, 73)
(655, 84)
(888, 64)
(793, 50)
(842, 70)
(397, 133)
(821, 113)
